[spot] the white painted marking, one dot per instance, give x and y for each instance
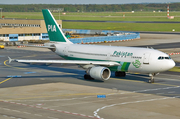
(26, 112)
(66, 112)
(83, 115)
(52, 118)
(159, 93)
(5, 115)
(172, 92)
(39, 104)
(15, 110)
(37, 115)
(149, 100)
(5, 109)
(75, 113)
(12, 117)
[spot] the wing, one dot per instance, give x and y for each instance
(103, 63)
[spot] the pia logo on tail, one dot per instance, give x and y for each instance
(52, 28)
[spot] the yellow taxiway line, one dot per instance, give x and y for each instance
(5, 80)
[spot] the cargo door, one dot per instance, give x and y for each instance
(146, 58)
(66, 51)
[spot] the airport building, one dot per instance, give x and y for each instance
(23, 29)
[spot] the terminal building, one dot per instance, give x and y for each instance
(23, 29)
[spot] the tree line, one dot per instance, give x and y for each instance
(90, 7)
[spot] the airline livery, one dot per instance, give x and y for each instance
(99, 61)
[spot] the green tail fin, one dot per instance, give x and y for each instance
(54, 32)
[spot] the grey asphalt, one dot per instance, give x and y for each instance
(60, 91)
(162, 45)
(33, 75)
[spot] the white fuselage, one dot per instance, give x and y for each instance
(132, 59)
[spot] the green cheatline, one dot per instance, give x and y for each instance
(125, 66)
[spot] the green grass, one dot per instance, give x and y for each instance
(122, 26)
(108, 16)
(175, 69)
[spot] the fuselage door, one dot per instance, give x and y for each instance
(146, 58)
(66, 51)
(108, 56)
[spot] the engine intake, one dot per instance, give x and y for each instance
(100, 73)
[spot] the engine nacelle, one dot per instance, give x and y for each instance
(100, 73)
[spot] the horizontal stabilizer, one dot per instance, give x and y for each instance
(50, 47)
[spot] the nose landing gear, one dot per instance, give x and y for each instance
(151, 80)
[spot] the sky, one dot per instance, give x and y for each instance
(83, 1)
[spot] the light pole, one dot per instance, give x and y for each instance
(60, 10)
(1, 12)
(57, 9)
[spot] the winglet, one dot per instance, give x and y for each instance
(10, 60)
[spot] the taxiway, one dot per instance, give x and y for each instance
(59, 91)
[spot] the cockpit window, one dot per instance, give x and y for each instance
(161, 58)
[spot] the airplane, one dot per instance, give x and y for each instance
(99, 61)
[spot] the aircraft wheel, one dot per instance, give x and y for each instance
(120, 74)
(86, 76)
(151, 80)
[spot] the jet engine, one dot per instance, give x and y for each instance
(100, 73)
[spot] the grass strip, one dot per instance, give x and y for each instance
(122, 26)
(175, 69)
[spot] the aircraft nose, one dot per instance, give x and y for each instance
(171, 64)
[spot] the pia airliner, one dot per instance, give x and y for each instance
(99, 61)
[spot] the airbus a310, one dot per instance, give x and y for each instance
(99, 61)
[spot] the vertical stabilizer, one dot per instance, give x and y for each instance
(54, 31)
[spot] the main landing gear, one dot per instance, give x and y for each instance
(120, 74)
(86, 76)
